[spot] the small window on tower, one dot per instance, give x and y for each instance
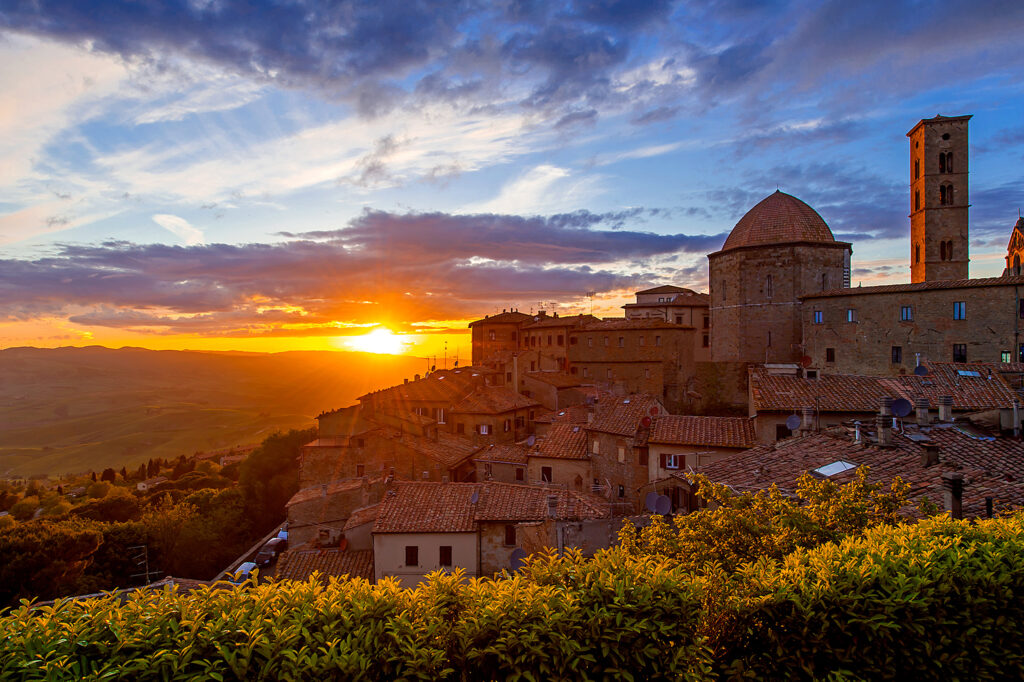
(959, 352)
(819, 317)
(949, 162)
(830, 355)
(942, 162)
(906, 313)
(897, 355)
(917, 253)
(942, 251)
(917, 200)
(768, 286)
(917, 168)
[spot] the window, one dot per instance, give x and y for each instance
(917, 200)
(549, 339)
(824, 281)
(445, 555)
(897, 355)
(519, 473)
(360, 470)
(533, 365)
(608, 373)
(622, 453)
(490, 336)
(508, 377)
(768, 286)
(949, 162)
(706, 342)
(906, 313)
(830, 355)
(657, 340)
(641, 456)
(488, 469)
(959, 352)
(942, 162)
(360, 443)
(949, 250)
(679, 319)
(586, 371)
(440, 416)
(606, 342)
(917, 168)
(412, 555)
(942, 250)
(673, 461)
(460, 428)
(573, 340)
(851, 314)
(622, 491)
(510, 535)
(769, 339)
(917, 253)
(819, 316)
(545, 474)
(590, 342)
(782, 431)
(596, 447)
(561, 339)
(508, 425)
(647, 372)
(1004, 356)
(484, 429)
(707, 322)
(642, 340)
(960, 310)
(572, 370)
(1020, 353)
(622, 342)
(942, 195)
(520, 422)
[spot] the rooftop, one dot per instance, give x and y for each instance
(625, 415)
(778, 218)
(299, 564)
(514, 317)
(459, 507)
(556, 379)
(493, 400)
(563, 441)
(981, 282)
(506, 454)
(564, 321)
(725, 432)
(635, 323)
(574, 414)
(361, 516)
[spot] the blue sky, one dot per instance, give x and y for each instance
(224, 172)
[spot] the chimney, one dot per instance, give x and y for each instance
(416, 377)
(883, 422)
(953, 493)
(407, 380)
(946, 408)
(856, 432)
(808, 420)
(552, 506)
(886, 408)
(445, 479)
(930, 456)
(921, 404)
(1016, 418)
(515, 372)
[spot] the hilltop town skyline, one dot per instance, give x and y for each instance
(278, 181)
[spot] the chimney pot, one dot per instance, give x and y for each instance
(808, 419)
(886, 407)
(946, 408)
(552, 506)
(921, 404)
(953, 492)
(883, 424)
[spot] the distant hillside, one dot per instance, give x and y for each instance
(74, 409)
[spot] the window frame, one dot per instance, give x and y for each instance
(412, 552)
(959, 310)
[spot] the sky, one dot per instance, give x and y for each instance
(269, 176)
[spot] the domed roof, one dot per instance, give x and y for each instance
(778, 218)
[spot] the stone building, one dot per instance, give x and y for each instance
(778, 251)
(1015, 249)
(679, 443)
(549, 335)
(493, 414)
(672, 304)
(938, 199)
(560, 458)
(496, 333)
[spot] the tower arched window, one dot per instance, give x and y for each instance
(942, 251)
(949, 162)
(917, 253)
(949, 250)
(768, 286)
(824, 281)
(949, 195)
(917, 200)
(917, 168)
(1016, 264)
(942, 195)
(942, 162)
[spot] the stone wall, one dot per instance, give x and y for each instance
(630, 473)
(564, 472)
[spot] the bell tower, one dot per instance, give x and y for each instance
(938, 199)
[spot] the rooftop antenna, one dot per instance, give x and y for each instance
(590, 295)
(446, 353)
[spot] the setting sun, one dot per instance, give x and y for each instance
(380, 340)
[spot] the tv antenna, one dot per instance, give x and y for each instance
(142, 559)
(590, 295)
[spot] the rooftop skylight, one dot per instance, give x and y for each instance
(837, 467)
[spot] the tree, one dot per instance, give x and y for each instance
(109, 475)
(44, 559)
(270, 476)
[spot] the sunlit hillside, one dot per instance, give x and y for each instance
(75, 409)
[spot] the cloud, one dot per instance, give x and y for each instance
(180, 228)
(382, 267)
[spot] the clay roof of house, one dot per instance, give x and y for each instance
(458, 507)
(556, 379)
(855, 393)
(508, 454)
(440, 386)
(493, 400)
(514, 317)
(778, 219)
(635, 323)
(315, 492)
(563, 441)
(666, 289)
(563, 321)
(361, 516)
(1009, 280)
(992, 466)
(624, 415)
(299, 564)
(724, 432)
(450, 450)
(574, 414)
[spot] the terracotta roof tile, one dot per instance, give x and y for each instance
(991, 468)
(503, 318)
(442, 386)
(726, 432)
(666, 289)
(635, 323)
(574, 414)
(361, 516)
(921, 286)
(326, 490)
(448, 449)
(624, 415)
(564, 321)
(855, 393)
(493, 400)
(450, 507)
(564, 441)
(556, 379)
(299, 564)
(778, 218)
(507, 454)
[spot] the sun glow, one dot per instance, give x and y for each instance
(380, 340)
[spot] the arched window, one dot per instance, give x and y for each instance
(942, 251)
(768, 286)
(949, 250)
(917, 253)
(917, 200)
(824, 281)
(917, 168)
(1016, 264)
(949, 195)
(942, 195)
(949, 162)
(942, 162)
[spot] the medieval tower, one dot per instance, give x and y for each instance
(938, 199)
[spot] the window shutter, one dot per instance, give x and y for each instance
(664, 460)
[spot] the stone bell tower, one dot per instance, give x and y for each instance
(938, 199)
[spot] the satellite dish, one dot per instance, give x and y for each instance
(646, 421)
(793, 422)
(651, 501)
(654, 411)
(475, 498)
(517, 558)
(531, 440)
(921, 371)
(902, 407)
(806, 361)
(663, 505)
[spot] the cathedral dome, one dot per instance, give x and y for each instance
(778, 218)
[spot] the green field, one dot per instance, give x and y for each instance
(70, 410)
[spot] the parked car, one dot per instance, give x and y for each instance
(243, 572)
(269, 551)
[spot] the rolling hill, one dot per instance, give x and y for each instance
(69, 410)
